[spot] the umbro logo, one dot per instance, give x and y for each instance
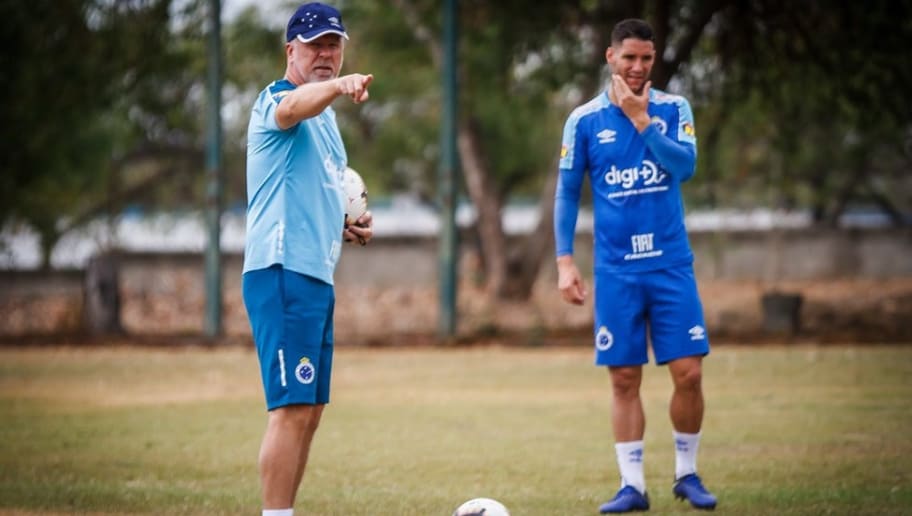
(607, 136)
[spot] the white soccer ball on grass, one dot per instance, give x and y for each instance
(481, 507)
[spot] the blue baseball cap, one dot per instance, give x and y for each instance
(313, 20)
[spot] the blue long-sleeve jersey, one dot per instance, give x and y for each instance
(635, 178)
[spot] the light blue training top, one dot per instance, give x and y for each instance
(295, 209)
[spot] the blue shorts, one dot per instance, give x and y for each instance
(663, 302)
(291, 316)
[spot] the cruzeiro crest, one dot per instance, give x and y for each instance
(603, 339)
(305, 372)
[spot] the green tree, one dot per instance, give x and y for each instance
(797, 104)
(518, 81)
(87, 94)
(109, 107)
(811, 98)
(774, 85)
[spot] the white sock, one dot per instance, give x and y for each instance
(278, 512)
(630, 462)
(686, 446)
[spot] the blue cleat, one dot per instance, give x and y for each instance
(628, 499)
(691, 488)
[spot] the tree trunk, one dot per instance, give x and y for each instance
(488, 209)
(526, 260)
(889, 207)
(846, 193)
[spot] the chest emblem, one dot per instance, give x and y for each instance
(660, 124)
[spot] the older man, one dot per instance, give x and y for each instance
(295, 231)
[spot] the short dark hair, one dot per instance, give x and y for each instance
(631, 28)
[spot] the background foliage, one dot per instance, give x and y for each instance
(798, 105)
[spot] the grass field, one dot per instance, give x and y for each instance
(788, 430)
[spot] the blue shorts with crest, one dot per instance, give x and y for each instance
(662, 306)
(291, 316)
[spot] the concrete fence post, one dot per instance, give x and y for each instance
(101, 312)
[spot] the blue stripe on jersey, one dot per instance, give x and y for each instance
(635, 179)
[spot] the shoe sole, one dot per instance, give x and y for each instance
(695, 506)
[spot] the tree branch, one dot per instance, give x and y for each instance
(145, 152)
(688, 42)
(421, 31)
